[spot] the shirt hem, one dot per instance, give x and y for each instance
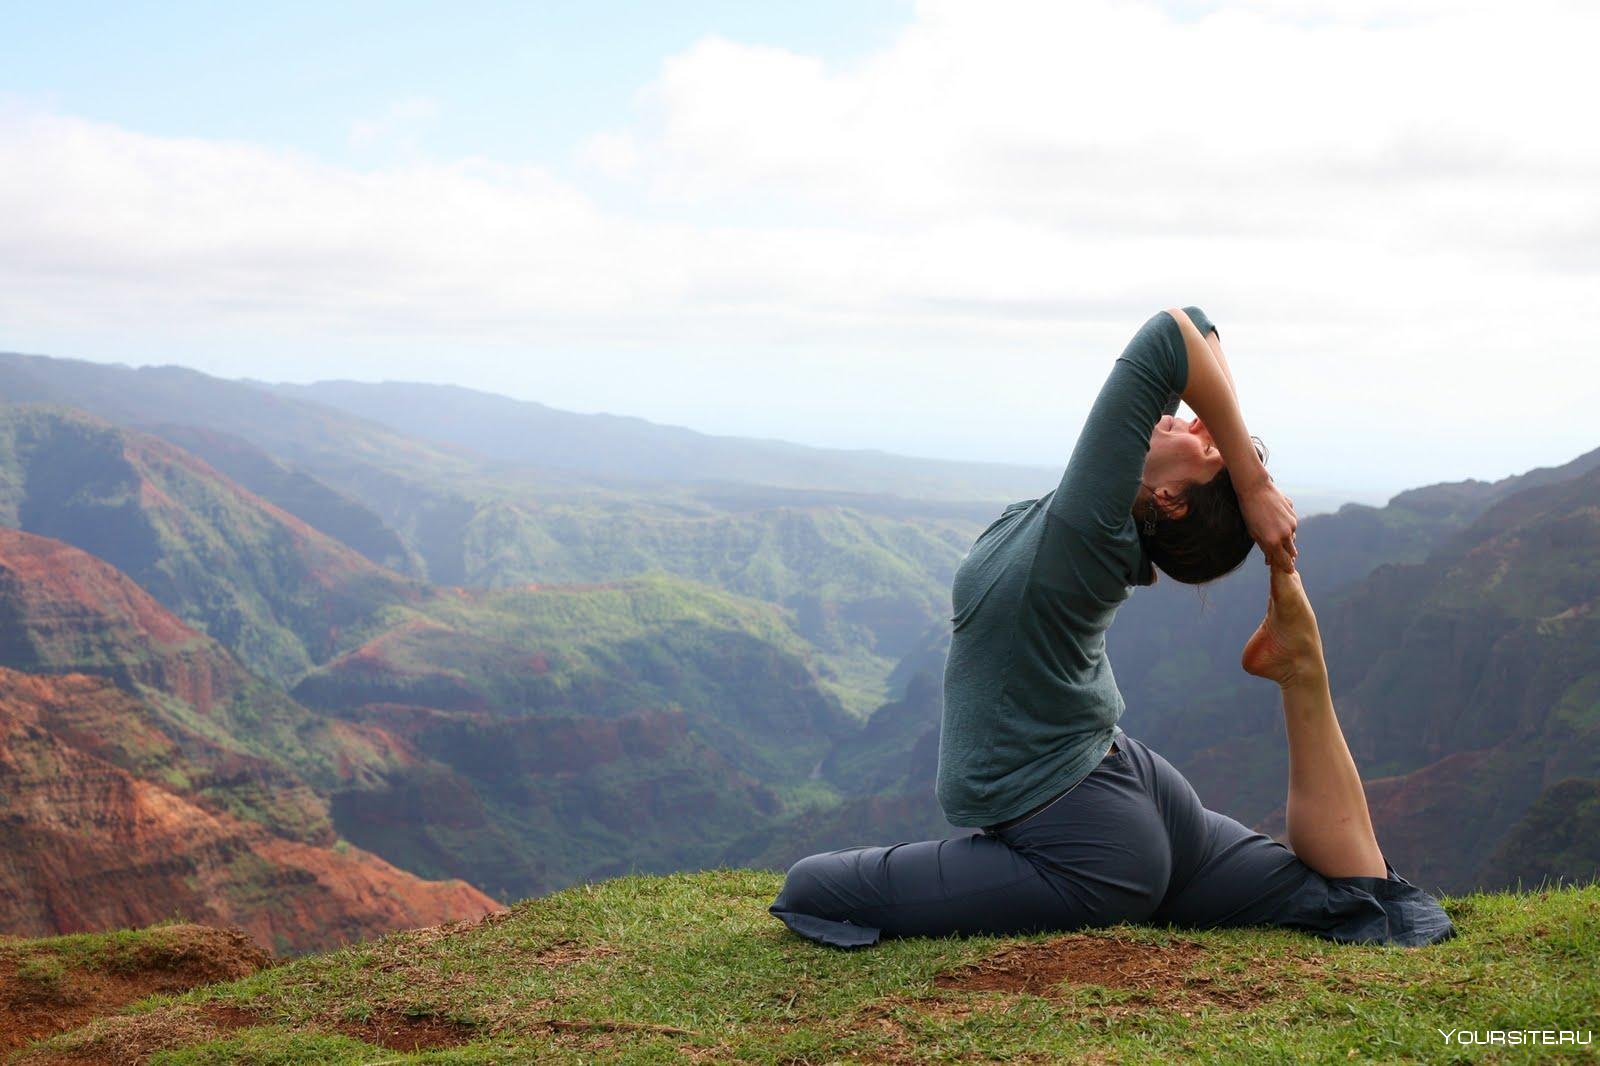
(1031, 799)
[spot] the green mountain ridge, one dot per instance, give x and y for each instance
(712, 706)
(862, 570)
(278, 593)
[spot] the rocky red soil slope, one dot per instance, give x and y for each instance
(90, 846)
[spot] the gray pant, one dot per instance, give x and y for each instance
(1131, 842)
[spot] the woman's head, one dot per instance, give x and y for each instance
(1189, 517)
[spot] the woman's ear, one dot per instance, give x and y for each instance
(1171, 504)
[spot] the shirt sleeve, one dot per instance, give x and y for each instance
(1097, 490)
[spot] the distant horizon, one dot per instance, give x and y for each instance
(1375, 496)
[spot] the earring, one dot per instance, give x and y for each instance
(1150, 520)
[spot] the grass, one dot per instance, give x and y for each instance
(118, 950)
(691, 966)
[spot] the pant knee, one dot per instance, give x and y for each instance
(807, 886)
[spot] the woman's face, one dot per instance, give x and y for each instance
(1181, 453)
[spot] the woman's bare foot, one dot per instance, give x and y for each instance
(1286, 647)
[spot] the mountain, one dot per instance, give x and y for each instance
(864, 571)
(1557, 840)
(632, 450)
(745, 655)
(1490, 675)
(340, 449)
(1176, 648)
(1469, 688)
(277, 592)
(63, 612)
(677, 705)
(885, 773)
(522, 738)
(173, 781)
(578, 731)
(92, 846)
(326, 510)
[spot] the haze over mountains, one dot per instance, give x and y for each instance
(385, 635)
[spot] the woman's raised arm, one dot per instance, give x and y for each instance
(1268, 513)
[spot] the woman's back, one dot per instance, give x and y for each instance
(1030, 698)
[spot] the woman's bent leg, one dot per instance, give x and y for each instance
(961, 886)
(1096, 856)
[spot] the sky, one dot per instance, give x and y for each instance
(921, 227)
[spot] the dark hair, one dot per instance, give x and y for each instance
(1210, 540)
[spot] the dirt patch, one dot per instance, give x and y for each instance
(1157, 974)
(1076, 959)
(45, 990)
(405, 1032)
(131, 1040)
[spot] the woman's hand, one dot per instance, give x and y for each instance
(1287, 646)
(1269, 515)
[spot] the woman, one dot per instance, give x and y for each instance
(1081, 824)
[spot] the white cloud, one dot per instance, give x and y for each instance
(400, 126)
(1391, 210)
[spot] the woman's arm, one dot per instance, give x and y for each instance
(1215, 343)
(1268, 513)
(1210, 393)
(1103, 474)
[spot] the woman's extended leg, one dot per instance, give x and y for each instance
(1329, 826)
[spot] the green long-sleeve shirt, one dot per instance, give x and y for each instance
(1029, 697)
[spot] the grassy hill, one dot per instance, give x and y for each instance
(691, 968)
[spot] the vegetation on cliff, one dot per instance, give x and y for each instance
(275, 591)
(692, 968)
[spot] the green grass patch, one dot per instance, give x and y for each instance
(116, 950)
(668, 968)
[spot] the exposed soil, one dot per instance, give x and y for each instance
(1161, 974)
(44, 992)
(405, 1032)
(131, 1041)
